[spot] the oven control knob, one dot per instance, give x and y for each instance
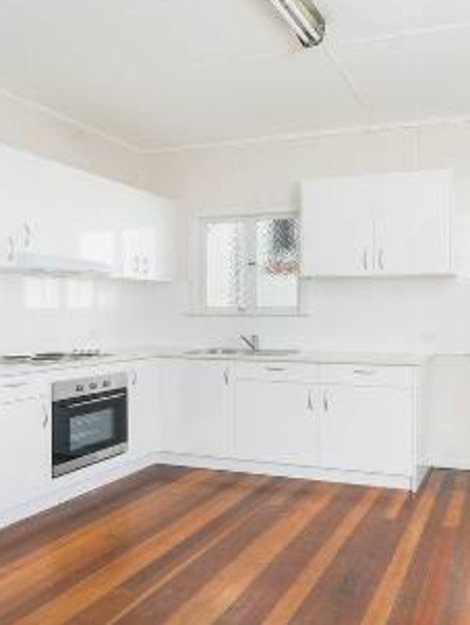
(79, 388)
(106, 383)
(93, 386)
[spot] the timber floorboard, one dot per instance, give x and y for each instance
(177, 546)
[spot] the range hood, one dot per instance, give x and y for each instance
(31, 262)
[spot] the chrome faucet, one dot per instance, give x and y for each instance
(252, 341)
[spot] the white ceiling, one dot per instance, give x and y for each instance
(167, 73)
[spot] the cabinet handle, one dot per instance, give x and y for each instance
(28, 231)
(11, 249)
(365, 260)
(363, 372)
(381, 258)
(226, 377)
(134, 378)
(310, 403)
(275, 369)
(145, 265)
(326, 403)
(45, 411)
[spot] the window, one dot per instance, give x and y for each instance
(249, 265)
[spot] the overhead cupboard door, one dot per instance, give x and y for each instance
(390, 224)
(337, 227)
(412, 223)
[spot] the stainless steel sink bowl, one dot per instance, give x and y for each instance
(214, 351)
(230, 351)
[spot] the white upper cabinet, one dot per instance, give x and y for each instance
(51, 210)
(381, 225)
(337, 227)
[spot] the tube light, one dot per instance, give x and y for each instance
(304, 19)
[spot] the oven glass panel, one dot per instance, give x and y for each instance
(91, 429)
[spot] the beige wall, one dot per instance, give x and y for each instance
(34, 129)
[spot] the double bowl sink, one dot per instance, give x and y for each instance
(231, 351)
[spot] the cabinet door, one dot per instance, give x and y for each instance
(144, 409)
(24, 443)
(337, 227)
(412, 223)
(148, 246)
(194, 407)
(367, 429)
(275, 422)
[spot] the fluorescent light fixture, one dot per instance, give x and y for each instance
(304, 19)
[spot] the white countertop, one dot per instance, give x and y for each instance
(313, 357)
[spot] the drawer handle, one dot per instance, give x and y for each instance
(364, 372)
(14, 385)
(275, 369)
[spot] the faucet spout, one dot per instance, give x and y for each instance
(252, 341)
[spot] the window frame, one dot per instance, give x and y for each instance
(199, 271)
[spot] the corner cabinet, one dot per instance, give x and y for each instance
(194, 404)
(395, 224)
(144, 408)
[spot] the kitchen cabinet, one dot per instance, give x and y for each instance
(367, 429)
(25, 451)
(194, 413)
(379, 225)
(346, 419)
(144, 409)
(52, 210)
(275, 422)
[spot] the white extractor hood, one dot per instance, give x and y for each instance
(31, 262)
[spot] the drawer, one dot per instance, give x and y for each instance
(19, 389)
(368, 375)
(278, 372)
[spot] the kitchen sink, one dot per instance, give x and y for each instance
(230, 351)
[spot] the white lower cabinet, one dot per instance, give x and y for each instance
(194, 415)
(367, 429)
(275, 422)
(25, 456)
(144, 409)
(341, 419)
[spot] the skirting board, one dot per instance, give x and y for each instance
(286, 470)
(63, 490)
(443, 462)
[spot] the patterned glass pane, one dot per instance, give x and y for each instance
(277, 262)
(225, 265)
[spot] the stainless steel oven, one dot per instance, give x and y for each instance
(89, 421)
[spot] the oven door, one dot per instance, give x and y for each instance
(88, 429)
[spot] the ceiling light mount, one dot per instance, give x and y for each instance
(304, 19)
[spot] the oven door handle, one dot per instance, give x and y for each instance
(97, 400)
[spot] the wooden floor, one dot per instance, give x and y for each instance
(173, 546)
